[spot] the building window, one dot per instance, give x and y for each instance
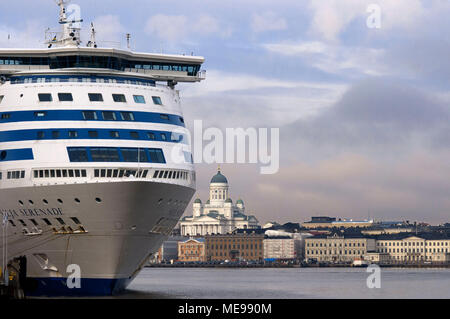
(95, 97)
(157, 100)
(45, 97)
(119, 98)
(139, 99)
(65, 97)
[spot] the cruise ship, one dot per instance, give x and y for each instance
(95, 162)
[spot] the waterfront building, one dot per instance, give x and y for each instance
(331, 222)
(238, 246)
(407, 248)
(338, 248)
(281, 248)
(192, 249)
(218, 215)
(169, 249)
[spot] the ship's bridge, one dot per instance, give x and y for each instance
(160, 67)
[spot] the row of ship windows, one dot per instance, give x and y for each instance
(116, 154)
(102, 173)
(94, 97)
(113, 134)
(53, 79)
(92, 115)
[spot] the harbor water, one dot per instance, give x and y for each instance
(296, 283)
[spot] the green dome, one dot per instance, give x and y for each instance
(207, 202)
(228, 200)
(240, 201)
(219, 178)
(197, 201)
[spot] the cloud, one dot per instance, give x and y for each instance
(376, 117)
(174, 27)
(331, 17)
(335, 59)
(109, 31)
(267, 21)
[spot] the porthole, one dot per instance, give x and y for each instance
(45, 201)
(60, 200)
(160, 201)
(77, 200)
(31, 202)
(98, 200)
(21, 203)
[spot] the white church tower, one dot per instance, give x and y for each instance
(218, 215)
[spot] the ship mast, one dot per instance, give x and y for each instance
(70, 33)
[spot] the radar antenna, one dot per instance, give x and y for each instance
(71, 29)
(92, 42)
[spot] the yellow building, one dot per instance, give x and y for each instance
(336, 248)
(407, 248)
(192, 250)
(239, 246)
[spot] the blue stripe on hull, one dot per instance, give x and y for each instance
(53, 287)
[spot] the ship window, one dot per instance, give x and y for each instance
(155, 174)
(73, 134)
(170, 175)
(83, 173)
(166, 173)
(127, 116)
(55, 134)
(157, 100)
(134, 135)
(61, 221)
(131, 155)
(103, 173)
(34, 222)
(12, 223)
(65, 97)
(181, 120)
(97, 173)
(114, 134)
(23, 223)
(75, 220)
(47, 221)
(6, 116)
(139, 99)
(36, 174)
(40, 114)
(106, 154)
(1, 98)
(52, 173)
(161, 173)
(144, 174)
(93, 134)
(40, 135)
(77, 173)
(77, 200)
(70, 172)
(119, 98)
(109, 116)
(115, 173)
(164, 117)
(95, 97)
(163, 136)
(98, 200)
(89, 115)
(157, 156)
(121, 172)
(151, 135)
(45, 97)
(58, 173)
(77, 154)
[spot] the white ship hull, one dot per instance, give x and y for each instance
(122, 231)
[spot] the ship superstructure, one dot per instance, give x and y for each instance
(94, 165)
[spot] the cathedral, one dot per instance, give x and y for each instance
(218, 215)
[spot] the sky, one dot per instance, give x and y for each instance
(363, 112)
